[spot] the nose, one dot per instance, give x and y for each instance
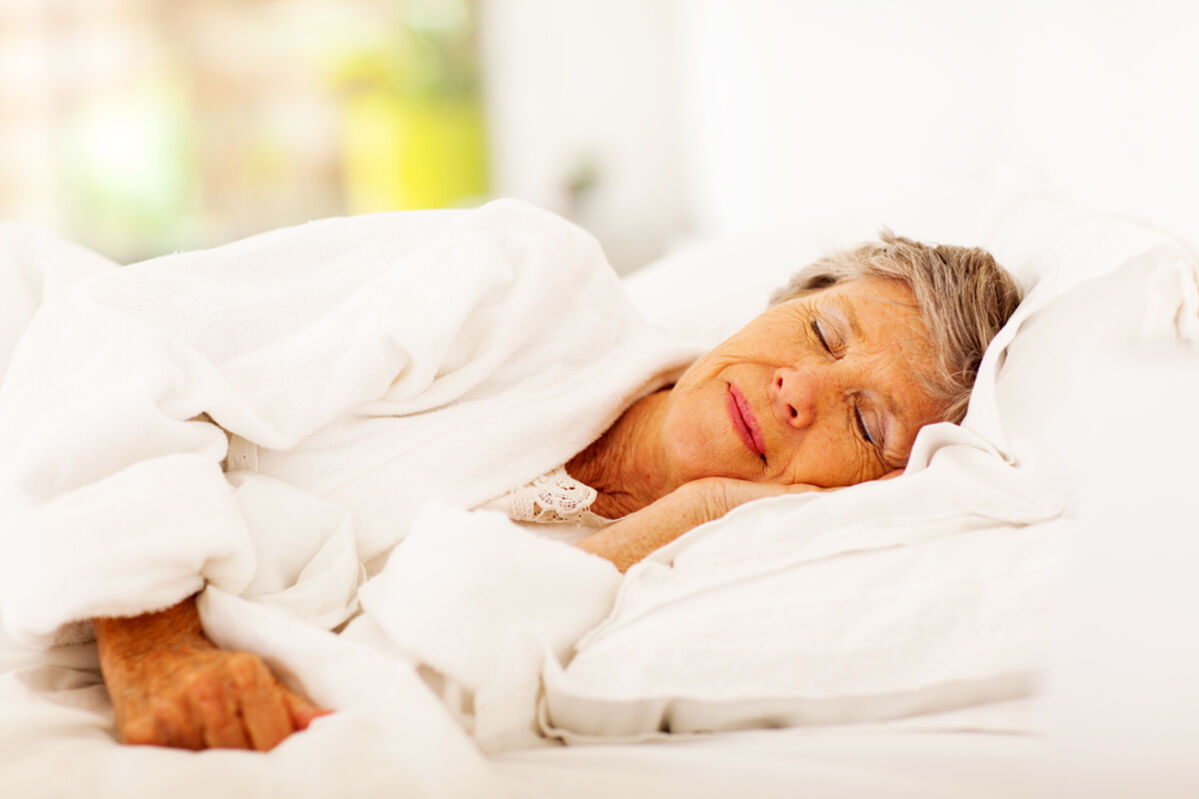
(795, 394)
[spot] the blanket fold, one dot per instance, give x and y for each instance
(375, 363)
(484, 602)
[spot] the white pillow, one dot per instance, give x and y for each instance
(707, 291)
(921, 594)
(926, 593)
(1108, 291)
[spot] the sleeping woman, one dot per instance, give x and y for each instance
(378, 361)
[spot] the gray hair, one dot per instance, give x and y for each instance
(963, 295)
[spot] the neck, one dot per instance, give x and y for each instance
(626, 465)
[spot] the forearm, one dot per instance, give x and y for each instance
(124, 645)
(690, 505)
(637, 535)
(128, 637)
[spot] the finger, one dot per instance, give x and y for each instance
(178, 728)
(303, 711)
(265, 714)
(215, 709)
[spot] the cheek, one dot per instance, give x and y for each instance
(698, 441)
(686, 429)
(827, 459)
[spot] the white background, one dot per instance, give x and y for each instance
(712, 116)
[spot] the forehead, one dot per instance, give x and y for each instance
(874, 295)
(877, 309)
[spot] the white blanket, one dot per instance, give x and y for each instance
(375, 364)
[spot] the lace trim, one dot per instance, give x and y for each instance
(552, 498)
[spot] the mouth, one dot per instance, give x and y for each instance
(744, 422)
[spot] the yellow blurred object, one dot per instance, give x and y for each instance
(413, 133)
(406, 152)
(138, 127)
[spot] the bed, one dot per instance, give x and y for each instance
(1013, 617)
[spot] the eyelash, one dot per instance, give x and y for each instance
(815, 325)
(857, 415)
(857, 412)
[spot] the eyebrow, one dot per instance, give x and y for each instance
(848, 314)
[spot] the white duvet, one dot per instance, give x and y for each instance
(922, 594)
(371, 363)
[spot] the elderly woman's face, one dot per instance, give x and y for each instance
(820, 389)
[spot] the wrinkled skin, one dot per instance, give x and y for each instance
(171, 686)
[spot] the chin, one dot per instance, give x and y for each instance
(700, 460)
(688, 454)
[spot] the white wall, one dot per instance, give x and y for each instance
(569, 82)
(718, 116)
(808, 108)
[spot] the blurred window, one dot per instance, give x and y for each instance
(143, 126)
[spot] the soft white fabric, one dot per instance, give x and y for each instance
(1030, 380)
(305, 554)
(375, 362)
(36, 267)
(484, 602)
(925, 593)
(502, 330)
(367, 366)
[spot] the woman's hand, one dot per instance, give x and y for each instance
(690, 505)
(722, 494)
(171, 686)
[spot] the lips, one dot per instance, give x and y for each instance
(744, 422)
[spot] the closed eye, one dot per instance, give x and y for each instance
(862, 428)
(815, 325)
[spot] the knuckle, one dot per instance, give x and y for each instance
(166, 725)
(245, 668)
(167, 714)
(198, 682)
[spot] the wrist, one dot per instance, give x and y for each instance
(129, 637)
(704, 499)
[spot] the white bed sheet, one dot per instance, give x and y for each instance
(765, 764)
